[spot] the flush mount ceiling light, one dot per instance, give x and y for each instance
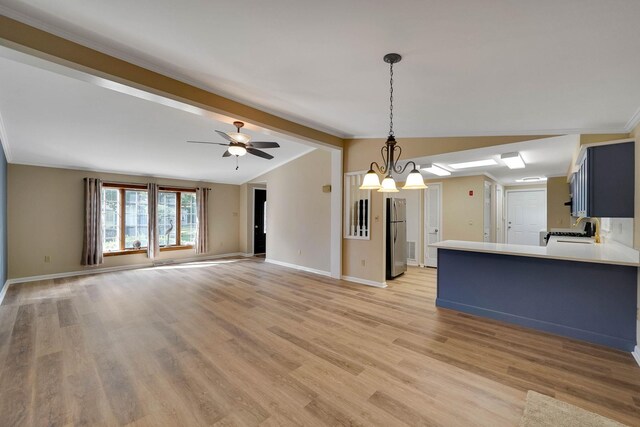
(436, 170)
(391, 153)
(513, 160)
(474, 164)
(532, 179)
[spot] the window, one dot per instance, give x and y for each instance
(177, 215)
(125, 218)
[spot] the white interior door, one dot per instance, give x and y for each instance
(487, 212)
(499, 214)
(526, 216)
(432, 222)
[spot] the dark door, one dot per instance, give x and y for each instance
(259, 215)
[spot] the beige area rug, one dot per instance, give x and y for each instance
(545, 411)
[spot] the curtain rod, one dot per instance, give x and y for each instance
(136, 184)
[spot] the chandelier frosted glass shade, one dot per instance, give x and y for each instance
(370, 181)
(237, 150)
(414, 181)
(388, 186)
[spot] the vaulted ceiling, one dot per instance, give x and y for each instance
(470, 67)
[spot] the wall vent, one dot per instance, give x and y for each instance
(411, 251)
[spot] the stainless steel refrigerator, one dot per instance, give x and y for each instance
(396, 237)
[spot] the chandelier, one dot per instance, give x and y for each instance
(391, 153)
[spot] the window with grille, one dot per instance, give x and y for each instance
(357, 207)
(125, 220)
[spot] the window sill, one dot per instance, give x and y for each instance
(126, 252)
(175, 248)
(144, 250)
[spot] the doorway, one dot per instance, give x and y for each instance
(432, 223)
(526, 216)
(259, 221)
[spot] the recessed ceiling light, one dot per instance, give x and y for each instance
(475, 164)
(532, 179)
(513, 160)
(436, 170)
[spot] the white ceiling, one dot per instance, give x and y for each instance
(55, 120)
(470, 67)
(543, 157)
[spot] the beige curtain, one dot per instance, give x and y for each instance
(153, 246)
(92, 240)
(202, 228)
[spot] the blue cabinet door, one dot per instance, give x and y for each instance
(609, 172)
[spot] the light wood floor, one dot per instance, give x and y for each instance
(247, 343)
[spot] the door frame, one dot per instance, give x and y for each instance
(490, 186)
(506, 206)
(253, 221)
(425, 236)
(500, 213)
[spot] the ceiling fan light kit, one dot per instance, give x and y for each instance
(240, 144)
(391, 153)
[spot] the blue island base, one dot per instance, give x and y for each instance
(587, 301)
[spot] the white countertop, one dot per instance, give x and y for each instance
(610, 252)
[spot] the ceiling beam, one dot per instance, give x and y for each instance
(25, 38)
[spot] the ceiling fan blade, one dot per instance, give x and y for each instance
(259, 153)
(225, 136)
(262, 144)
(226, 153)
(208, 142)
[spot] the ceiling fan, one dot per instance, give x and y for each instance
(240, 144)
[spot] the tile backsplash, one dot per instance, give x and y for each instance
(618, 229)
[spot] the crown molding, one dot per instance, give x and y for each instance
(548, 133)
(633, 121)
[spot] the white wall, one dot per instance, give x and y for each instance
(299, 213)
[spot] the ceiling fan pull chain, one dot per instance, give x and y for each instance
(237, 163)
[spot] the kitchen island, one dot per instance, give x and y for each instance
(571, 287)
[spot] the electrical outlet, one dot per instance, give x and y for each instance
(47, 258)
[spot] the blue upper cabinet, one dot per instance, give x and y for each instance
(604, 184)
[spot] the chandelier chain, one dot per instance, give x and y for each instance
(391, 100)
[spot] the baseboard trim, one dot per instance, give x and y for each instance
(364, 281)
(4, 291)
(636, 354)
(540, 325)
(118, 268)
(413, 263)
(298, 267)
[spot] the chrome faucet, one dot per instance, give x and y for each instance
(597, 236)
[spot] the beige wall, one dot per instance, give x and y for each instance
(558, 215)
(463, 215)
(45, 217)
(462, 219)
(299, 213)
(364, 259)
